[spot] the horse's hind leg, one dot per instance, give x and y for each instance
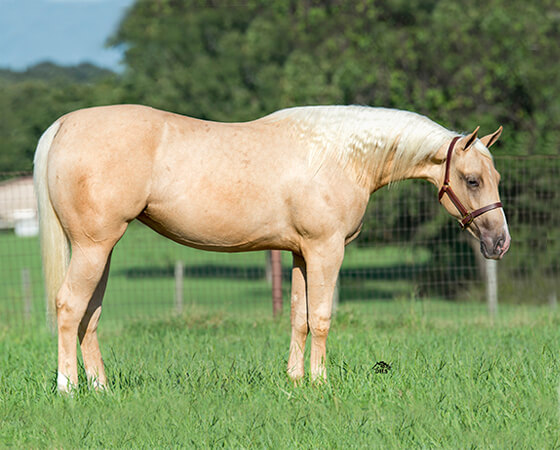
(85, 273)
(87, 334)
(298, 319)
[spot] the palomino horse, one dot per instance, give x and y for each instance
(296, 180)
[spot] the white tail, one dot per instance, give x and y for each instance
(55, 247)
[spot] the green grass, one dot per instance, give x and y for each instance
(206, 380)
(141, 281)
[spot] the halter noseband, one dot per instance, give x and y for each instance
(466, 216)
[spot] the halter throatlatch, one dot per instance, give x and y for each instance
(466, 216)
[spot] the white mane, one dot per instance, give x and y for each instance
(364, 139)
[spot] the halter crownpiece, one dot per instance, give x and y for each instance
(466, 216)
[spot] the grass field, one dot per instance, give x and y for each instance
(214, 375)
(212, 380)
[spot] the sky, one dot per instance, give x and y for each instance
(66, 32)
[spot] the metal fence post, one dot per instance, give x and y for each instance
(27, 294)
(179, 272)
(276, 265)
(268, 266)
(336, 295)
(552, 299)
(492, 286)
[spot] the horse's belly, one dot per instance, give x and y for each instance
(220, 226)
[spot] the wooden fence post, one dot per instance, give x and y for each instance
(276, 265)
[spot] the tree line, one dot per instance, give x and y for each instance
(463, 64)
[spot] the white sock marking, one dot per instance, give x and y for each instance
(63, 382)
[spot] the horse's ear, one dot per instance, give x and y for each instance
(466, 141)
(491, 138)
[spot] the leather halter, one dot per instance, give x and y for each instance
(466, 216)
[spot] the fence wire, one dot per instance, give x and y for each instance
(409, 250)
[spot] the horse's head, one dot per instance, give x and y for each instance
(469, 192)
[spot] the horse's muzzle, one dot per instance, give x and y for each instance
(495, 247)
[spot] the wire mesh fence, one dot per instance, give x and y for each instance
(409, 252)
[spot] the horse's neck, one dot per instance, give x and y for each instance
(376, 146)
(427, 168)
(392, 157)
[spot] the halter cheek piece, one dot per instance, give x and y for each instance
(466, 216)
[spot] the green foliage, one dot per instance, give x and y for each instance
(464, 64)
(47, 71)
(532, 210)
(30, 101)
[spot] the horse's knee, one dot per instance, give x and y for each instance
(301, 328)
(299, 322)
(69, 314)
(320, 326)
(66, 310)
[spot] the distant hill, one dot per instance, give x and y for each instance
(47, 71)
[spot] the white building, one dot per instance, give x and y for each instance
(18, 206)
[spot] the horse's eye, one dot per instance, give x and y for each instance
(472, 182)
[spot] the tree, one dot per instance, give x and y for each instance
(30, 101)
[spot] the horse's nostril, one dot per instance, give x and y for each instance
(499, 244)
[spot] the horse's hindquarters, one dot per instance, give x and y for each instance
(99, 181)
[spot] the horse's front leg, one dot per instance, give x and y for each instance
(299, 319)
(323, 261)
